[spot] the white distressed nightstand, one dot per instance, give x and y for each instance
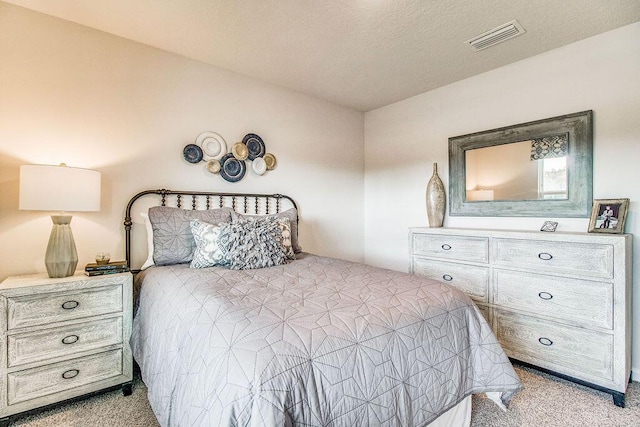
(63, 339)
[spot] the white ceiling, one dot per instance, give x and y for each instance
(362, 54)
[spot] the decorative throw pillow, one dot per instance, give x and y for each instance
(211, 244)
(173, 241)
(290, 214)
(285, 238)
(255, 243)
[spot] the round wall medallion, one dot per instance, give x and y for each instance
(232, 169)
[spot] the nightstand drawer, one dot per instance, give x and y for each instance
(588, 260)
(579, 352)
(43, 309)
(33, 383)
(461, 248)
(44, 344)
(470, 279)
(574, 301)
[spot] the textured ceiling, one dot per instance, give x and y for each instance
(362, 54)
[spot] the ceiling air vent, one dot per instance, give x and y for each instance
(497, 35)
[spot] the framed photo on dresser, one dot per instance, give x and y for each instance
(608, 215)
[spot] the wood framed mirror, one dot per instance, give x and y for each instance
(536, 169)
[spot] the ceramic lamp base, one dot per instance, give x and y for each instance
(61, 257)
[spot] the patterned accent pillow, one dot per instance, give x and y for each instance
(211, 244)
(285, 238)
(255, 243)
(173, 241)
(290, 214)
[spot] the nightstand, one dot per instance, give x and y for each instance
(63, 339)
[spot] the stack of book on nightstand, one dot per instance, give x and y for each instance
(94, 269)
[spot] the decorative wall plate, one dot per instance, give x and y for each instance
(259, 166)
(240, 151)
(255, 145)
(270, 161)
(213, 145)
(192, 153)
(232, 169)
(213, 166)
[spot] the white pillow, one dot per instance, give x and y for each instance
(149, 262)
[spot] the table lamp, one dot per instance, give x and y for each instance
(60, 189)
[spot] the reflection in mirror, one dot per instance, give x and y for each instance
(535, 169)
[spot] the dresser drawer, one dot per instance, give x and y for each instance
(587, 260)
(579, 302)
(37, 382)
(47, 308)
(573, 351)
(470, 279)
(461, 248)
(46, 344)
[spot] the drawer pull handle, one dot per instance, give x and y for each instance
(71, 373)
(446, 247)
(545, 341)
(71, 339)
(545, 256)
(447, 277)
(70, 305)
(545, 295)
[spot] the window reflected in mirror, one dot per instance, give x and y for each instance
(534, 169)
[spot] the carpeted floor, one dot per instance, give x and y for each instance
(545, 401)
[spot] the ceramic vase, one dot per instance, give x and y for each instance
(436, 199)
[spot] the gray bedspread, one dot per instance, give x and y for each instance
(316, 342)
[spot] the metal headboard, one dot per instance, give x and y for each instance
(240, 202)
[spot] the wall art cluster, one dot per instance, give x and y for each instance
(211, 148)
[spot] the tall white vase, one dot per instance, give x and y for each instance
(436, 200)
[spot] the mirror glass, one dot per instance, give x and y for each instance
(538, 169)
(524, 170)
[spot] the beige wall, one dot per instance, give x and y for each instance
(402, 140)
(76, 95)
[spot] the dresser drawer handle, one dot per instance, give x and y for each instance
(71, 373)
(446, 247)
(545, 295)
(71, 339)
(70, 305)
(545, 341)
(447, 277)
(545, 256)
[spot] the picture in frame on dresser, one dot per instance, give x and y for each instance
(63, 339)
(559, 302)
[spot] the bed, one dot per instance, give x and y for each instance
(314, 341)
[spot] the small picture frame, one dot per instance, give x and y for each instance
(608, 216)
(549, 226)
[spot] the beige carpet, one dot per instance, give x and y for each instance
(545, 401)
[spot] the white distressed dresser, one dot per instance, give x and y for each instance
(557, 301)
(62, 339)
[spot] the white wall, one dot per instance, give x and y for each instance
(402, 140)
(76, 95)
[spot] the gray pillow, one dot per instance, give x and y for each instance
(290, 214)
(255, 243)
(173, 241)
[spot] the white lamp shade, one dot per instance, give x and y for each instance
(59, 188)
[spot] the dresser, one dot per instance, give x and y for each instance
(560, 302)
(62, 339)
